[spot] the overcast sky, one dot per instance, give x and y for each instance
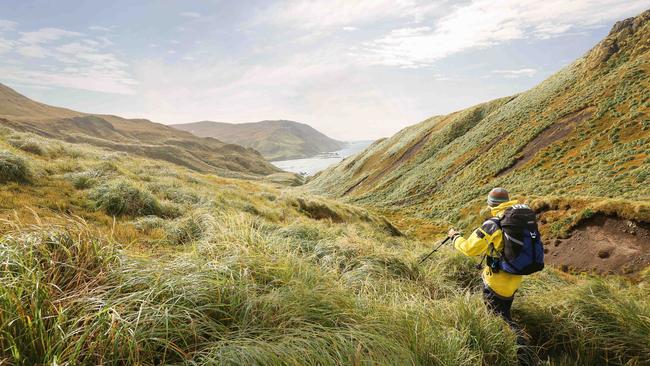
(352, 69)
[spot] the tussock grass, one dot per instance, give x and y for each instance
(121, 198)
(45, 271)
(320, 209)
(191, 228)
(312, 293)
(223, 271)
(595, 321)
(84, 180)
(29, 145)
(226, 306)
(13, 168)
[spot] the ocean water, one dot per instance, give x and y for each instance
(313, 165)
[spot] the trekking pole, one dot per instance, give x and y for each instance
(434, 250)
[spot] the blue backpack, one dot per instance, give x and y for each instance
(523, 251)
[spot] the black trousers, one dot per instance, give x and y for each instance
(499, 305)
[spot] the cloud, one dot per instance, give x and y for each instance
(190, 14)
(7, 25)
(87, 79)
(320, 14)
(90, 42)
(105, 42)
(529, 72)
(67, 59)
(485, 23)
(349, 29)
(75, 48)
(100, 28)
(46, 35)
(32, 51)
(5, 45)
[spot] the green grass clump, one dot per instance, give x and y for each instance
(190, 228)
(29, 145)
(597, 321)
(83, 180)
(13, 168)
(121, 198)
(45, 272)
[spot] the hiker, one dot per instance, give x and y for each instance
(510, 244)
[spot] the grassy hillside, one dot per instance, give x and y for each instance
(276, 140)
(111, 258)
(136, 136)
(581, 137)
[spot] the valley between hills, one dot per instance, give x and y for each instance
(125, 241)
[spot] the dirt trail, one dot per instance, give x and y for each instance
(602, 244)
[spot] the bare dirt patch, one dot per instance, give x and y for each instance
(553, 133)
(602, 244)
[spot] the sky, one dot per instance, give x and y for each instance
(354, 70)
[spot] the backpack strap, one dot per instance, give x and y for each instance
(490, 226)
(497, 222)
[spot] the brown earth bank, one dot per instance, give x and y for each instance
(602, 244)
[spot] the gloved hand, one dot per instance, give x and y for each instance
(452, 232)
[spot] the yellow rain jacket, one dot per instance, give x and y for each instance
(502, 283)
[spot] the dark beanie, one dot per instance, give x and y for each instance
(497, 196)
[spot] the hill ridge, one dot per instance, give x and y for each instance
(138, 136)
(274, 139)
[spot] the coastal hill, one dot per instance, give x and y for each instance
(138, 136)
(275, 140)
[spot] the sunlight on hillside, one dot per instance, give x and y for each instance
(130, 242)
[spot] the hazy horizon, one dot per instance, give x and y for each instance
(353, 70)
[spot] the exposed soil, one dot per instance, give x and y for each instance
(602, 244)
(553, 133)
(355, 185)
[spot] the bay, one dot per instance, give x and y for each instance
(313, 165)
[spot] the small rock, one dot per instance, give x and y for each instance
(564, 268)
(556, 242)
(545, 250)
(603, 253)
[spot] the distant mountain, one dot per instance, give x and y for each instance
(275, 140)
(137, 136)
(584, 131)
